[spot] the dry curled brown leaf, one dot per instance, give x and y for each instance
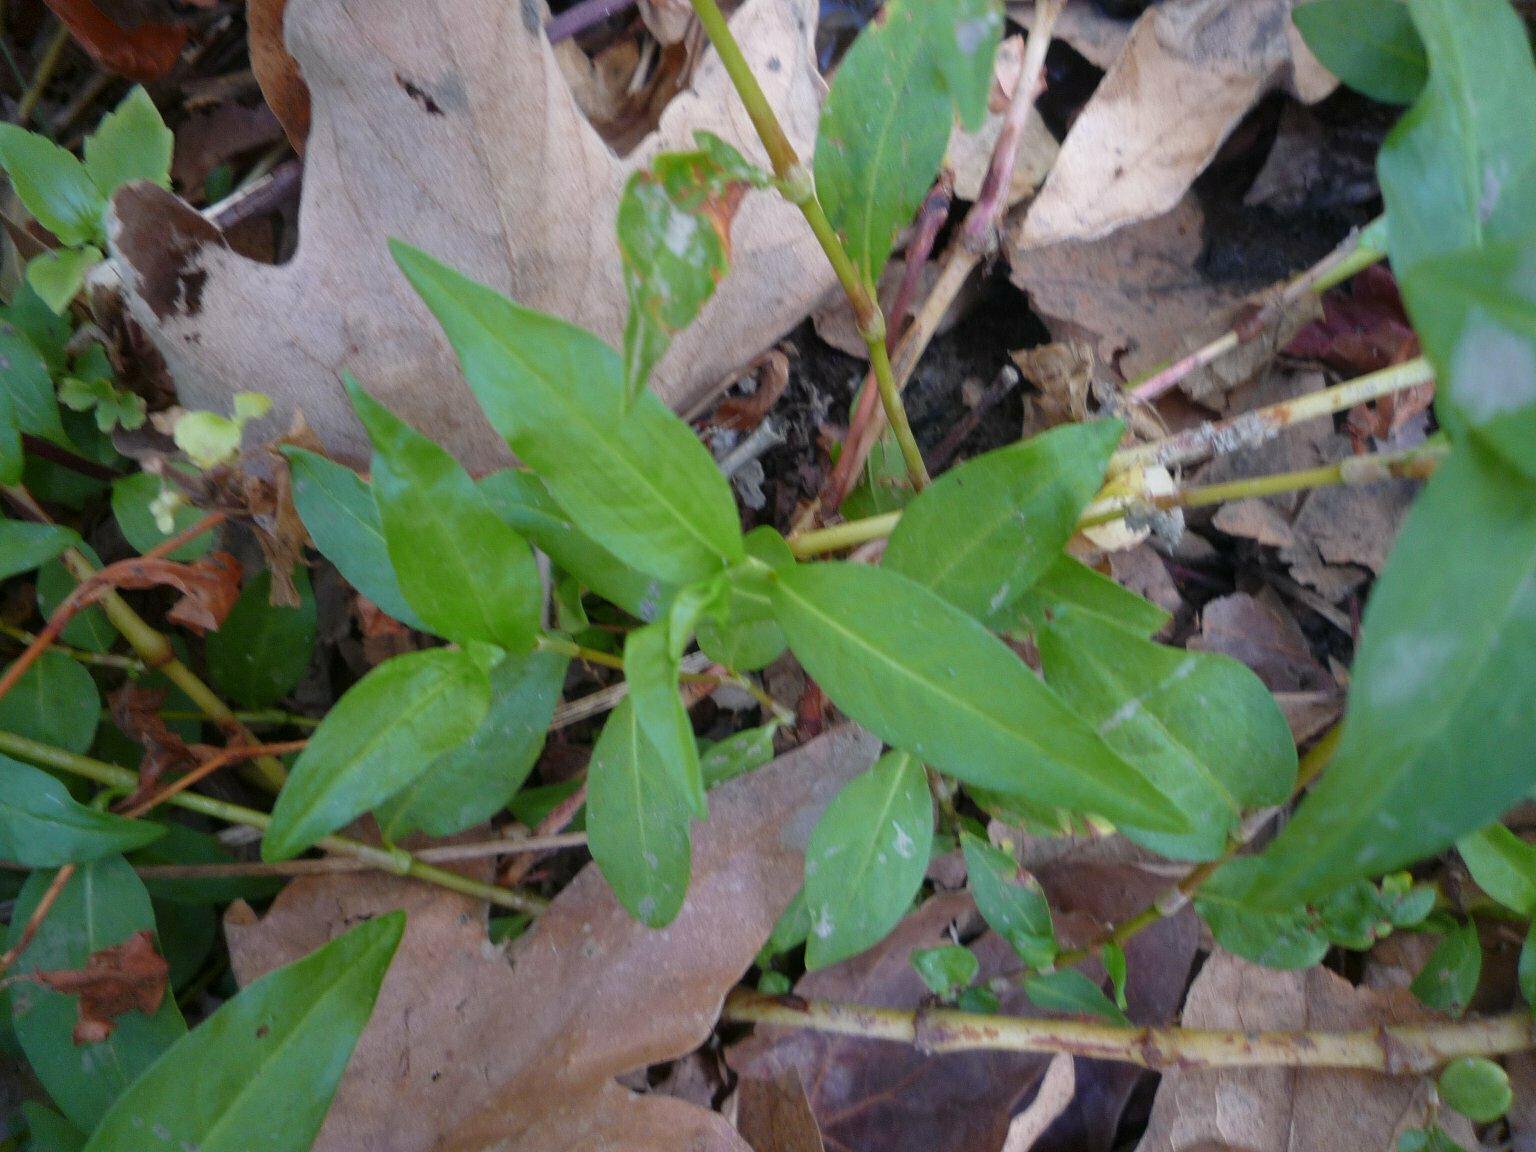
(122, 978)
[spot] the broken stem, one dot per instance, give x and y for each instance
(394, 860)
(1394, 1049)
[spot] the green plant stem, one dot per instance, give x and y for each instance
(577, 652)
(129, 664)
(836, 538)
(45, 69)
(798, 187)
(1394, 1049)
(259, 716)
(394, 860)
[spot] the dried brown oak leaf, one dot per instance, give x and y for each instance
(1288, 1109)
(469, 1048)
(447, 124)
(122, 978)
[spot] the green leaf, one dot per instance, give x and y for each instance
(183, 845)
(56, 276)
(1459, 170)
(25, 546)
(42, 827)
(131, 143)
(48, 333)
(926, 677)
(674, 231)
(652, 657)
(1449, 977)
(521, 499)
(29, 384)
(1068, 990)
(886, 122)
(1202, 727)
(385, 732)
(187, 933)
(475, 781)
(866, 859)
(55, 702)
(88, 629)
(467, 574)
(638, 482)
(1371, 45)
(53, 185)
(945, 968)
(1011, 901)
(637, 821)
(11, 459)
(1477, 1088)
(737, 755)
(1431, 1139)
(1286, 939)
(102, 905)
(1503, 865)
(740, 630)
(1526, 970)
(47, 1131)
(1113, 957)
(1441, 710)
(131, 498)
(268, 1061)
(93, 392)
(985, 531)
(339, 512)
(1476, 314)
(1069, 583)
(793, 927)
(262, 650)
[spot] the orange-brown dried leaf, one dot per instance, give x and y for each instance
(277, 72)
(145, 53)
(123, 978)
(209, 587)
(136, 712)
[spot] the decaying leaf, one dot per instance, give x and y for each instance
(122, 978)
(1189, 73)
(1275, 1109)
(472, 1049)
(448, 125)
(282, 83)
(775, 1116)
(139, 50)
(209, 587)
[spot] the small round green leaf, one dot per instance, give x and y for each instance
(1477, 1088)
(131, 498)
(945, 968)
(262, 650)
(1449, 978)
(55, 702)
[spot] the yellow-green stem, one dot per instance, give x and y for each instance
(896, 413)
(394, 860)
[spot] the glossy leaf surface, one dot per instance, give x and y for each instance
(1503, 865)
(929, 679)
(41, 826)
(1068, 990)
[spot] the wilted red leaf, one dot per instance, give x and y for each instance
(145, 53)
(209, 587)
(1363, 329)
(124, 977)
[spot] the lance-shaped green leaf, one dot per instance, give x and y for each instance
(737, 754)
(1476, 313)
(41, 826)
(1011, 901)
(1442, 706)
(739, 630)
(927, 678)
(55, 702)
(637, 821)
(101, 905)
(29, 383)
(25, 546)
(11, 459)
(53, 185)
(521, 499)
(387, 730)
(339, 512)
(475, 780)
(131, 143)
(866, 859)
(1459, 170)
(675, 241)
(467, 574)
(985, 531)
(1371, 45)
(1503, 865)
(268, 1061)
(1069, 990)
(1449, 977)
(47, 1131)
(1070, 583)
(887, 119)
(1203, 727)
(633, 477)
(262, 650)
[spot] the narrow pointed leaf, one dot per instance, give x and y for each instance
(638, 821)
(41, 826)
(266, 1062)
(1068, 990)
(385, 732)
(475, 780)
(866, 859)
(102, 905)
(985, 531)
(1503, 865)
(637, 481)
(1442, 708)
(262, 650)
(1203, 727)
(1011, 900)
(467, 574)
(339, 512)
(651, 671)
(929, 679)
